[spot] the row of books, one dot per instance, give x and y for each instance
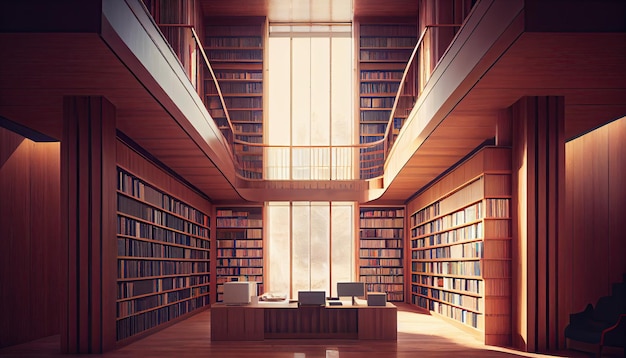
(248, 128)
(140, 210)
(460, 268)
(243, 103)
(450, 283)
(133, 186)
(372, 128)
(381, 244)
(385, 54)
(379, 87)
(461, 217)
(388, 42)
(130, 268)
(241, 243)
(425, 214)
(129, 289)
(382, 233)
(240, 234)
(238, 75)
(238, 271)
(382, 223)
(222, 279)
(381, 75)
(375, 116)
(137, 248)
(247, 41)
(468, 302)
(130, 307)
(236, 87)
(379, 157)
(472, 319)
(234, 54)
(129, 326)
(366, 262)
(382, 279)
(236, 253)
(235, 213)
(385, 253)
(246, 116)
(131, 227)
(381, 287)
(470, 232)
(498, 208)
(239, 222)
(240, 262)
(377, 102)
(469, 250)
(366, 271)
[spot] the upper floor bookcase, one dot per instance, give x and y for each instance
(460, 233)
(381, 250)
(384, 50)
(239, 233)
(162, 259)
(235, 49)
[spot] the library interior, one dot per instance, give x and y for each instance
(313, 178)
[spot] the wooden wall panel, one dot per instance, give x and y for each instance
(30, 235)
(597, 199)
(539, 198)
(88, 209)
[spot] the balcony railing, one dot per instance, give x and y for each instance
(329, 162)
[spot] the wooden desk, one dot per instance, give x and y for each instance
(267, 320)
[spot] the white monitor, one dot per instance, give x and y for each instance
(351, 289)
(238, 292)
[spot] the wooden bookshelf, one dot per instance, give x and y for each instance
(162, 259)
(235, 50)
(384, 51)
(381, 250)
(460, 234)
(239, 233)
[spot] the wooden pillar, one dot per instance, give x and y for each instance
(538, 211)
(88, 208)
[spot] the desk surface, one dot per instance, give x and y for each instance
(264, 320)
(361, 304)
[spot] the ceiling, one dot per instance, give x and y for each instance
(32, 90)
(310, 10)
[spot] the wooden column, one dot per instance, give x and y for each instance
(88, 208)
(538, 207)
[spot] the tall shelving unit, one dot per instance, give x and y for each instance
(239, 233)
(384, 50)
(235, 49)
(460, 234)
(381, 250)
(163, 257)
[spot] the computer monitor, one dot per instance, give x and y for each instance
(311, 298)
(351, 289)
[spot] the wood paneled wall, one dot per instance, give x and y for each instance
(30, 237)
(595, 240)
(538, 211)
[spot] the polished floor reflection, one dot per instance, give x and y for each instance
(419, 335)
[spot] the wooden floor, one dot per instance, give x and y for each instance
(419, 335)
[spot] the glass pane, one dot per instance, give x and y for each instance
(320, 247)
(301, 91)
(320, 91)
(278, 246)
(278, 128)
(342, 244)
(301, 251)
